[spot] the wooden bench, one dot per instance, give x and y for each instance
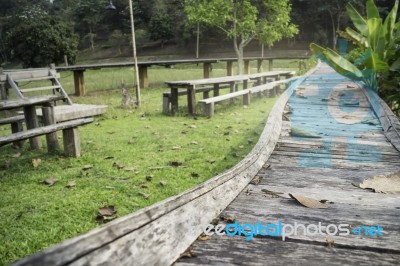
(271, 88)
(70, 135)
(208, 104)
(205, 90)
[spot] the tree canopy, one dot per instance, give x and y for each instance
(243, 20)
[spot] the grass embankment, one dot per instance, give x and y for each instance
(131, 159)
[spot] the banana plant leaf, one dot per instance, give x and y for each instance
(372, 10)
(337, 62)
(359, 22)
(355, 37)
(371, 61)
(376, 36)
(390, 22)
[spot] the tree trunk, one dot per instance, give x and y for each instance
(334, 36)
(239, 53)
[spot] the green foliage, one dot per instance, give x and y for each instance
(245, 20)
(376, 58)
(38, 39)
(160, 27)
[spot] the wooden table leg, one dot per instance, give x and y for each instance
(143, 77)
(79, 82)
(31, 121)
(216, 89)
(49, 119)
(207, 68)
(174, 100)
(191, 95)
(245, 84)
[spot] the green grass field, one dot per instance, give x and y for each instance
(131, 159)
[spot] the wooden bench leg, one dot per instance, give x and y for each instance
(246, 99)
(174, 101)
(72, 143)
(51, 138)
(166, 104)
(209, 109)
(216, 89)
(17, 127)
(206, 95)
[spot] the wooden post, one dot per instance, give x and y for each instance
(270, 64)
(31, 121)
(216, 89)
(143, 78)
(15, 128)
(245, 84)
(166, 103)
(49, 119)
(3, 91)
(79, 81)
(209, 109)
(229, 68)
(174, 100)
(206, 94)
(72, 143)
(207, 69)
(246, 67)
(232, 86)
(259, 66)
(246, 99)
(191, 96)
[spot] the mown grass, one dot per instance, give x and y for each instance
(128, 153)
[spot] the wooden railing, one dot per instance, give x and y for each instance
(143, 66)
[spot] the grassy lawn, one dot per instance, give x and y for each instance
(131, 159)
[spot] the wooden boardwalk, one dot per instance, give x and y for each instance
(345, 144)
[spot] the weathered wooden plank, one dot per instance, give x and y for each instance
(225, 250)
(32, 123)
(49, 119)
(13, 119)
(12, 104)
(43, 130)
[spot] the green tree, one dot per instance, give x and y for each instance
(160, 28)
(244, 20)
(38, 39)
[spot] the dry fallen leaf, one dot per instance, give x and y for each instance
(204, 237)
(107, 210)
(192, 126)
(144, 195)
(308, 202)
(144, 186)
(108, 157)
(194, 142)
(163, 183)
(149, 177)
(187, 254)
(129, 169)
(71, 184)
(50, 181)
(330, 242)
(195, 174)
(87, 167)
(175, 163)
(118, 165)
(256, 180)
(36, 162)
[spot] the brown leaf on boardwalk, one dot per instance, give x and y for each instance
(330, 242)
(388, 184)
(71, 184)
(36, 162)
(204, 237)
(308, 202)
(187, 254)
(107, 210)
(50, 181)
(256, 180)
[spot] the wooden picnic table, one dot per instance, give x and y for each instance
(190, 86)
(31, 118)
